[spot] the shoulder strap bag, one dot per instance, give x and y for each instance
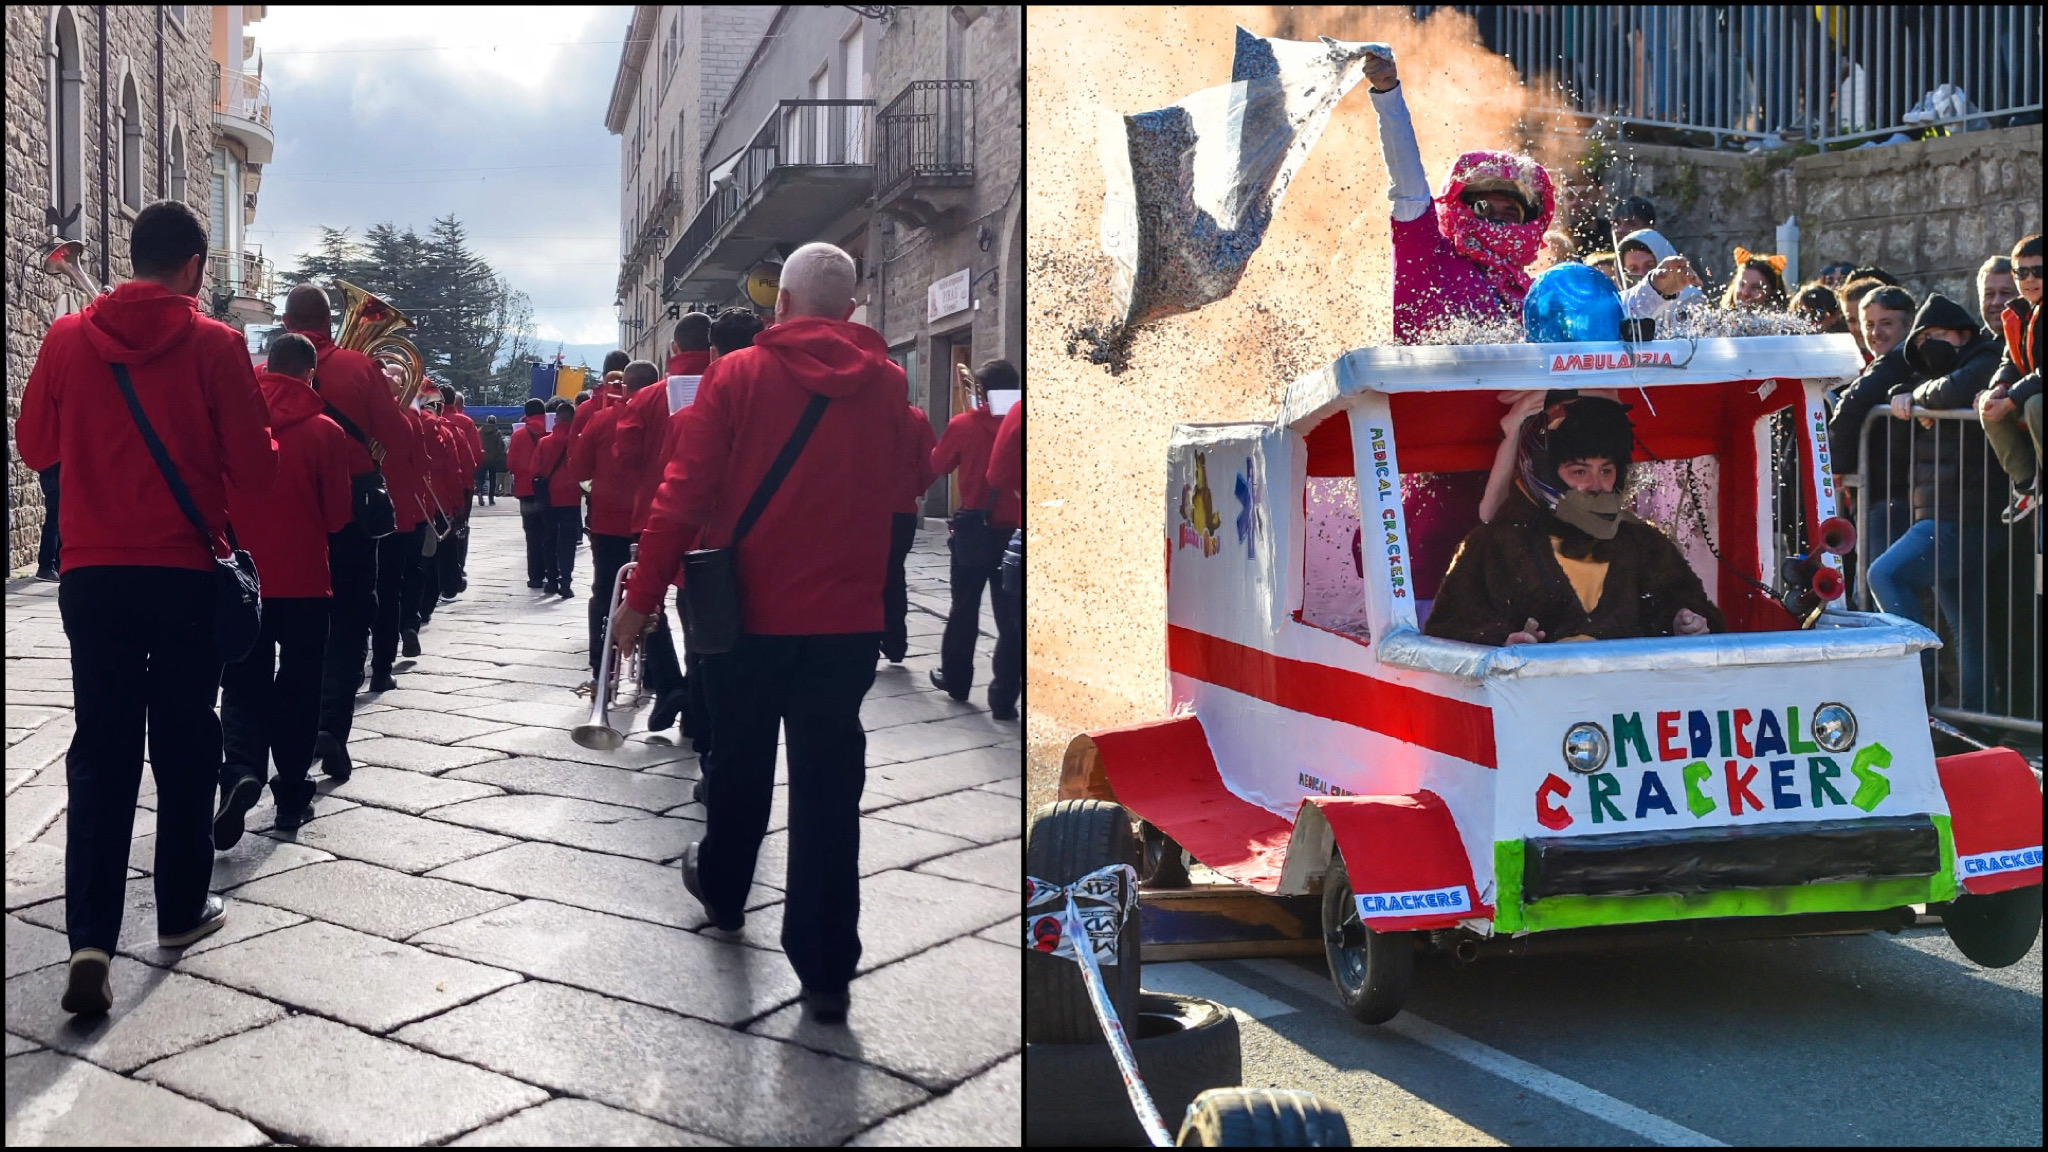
(711, 590)
(238, 597)
(367, 494)
(540, 483)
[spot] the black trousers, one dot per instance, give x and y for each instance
(487, 485)
(565, 527)
(270, 701)
(809, 688)
(895, 592)
(46, 556)
(397, 556)
(426, 591)
(608, 554)
(352, 570)
(963, 621)
(452, 562)
(1007, 683)
(142, 658)
(539, 558)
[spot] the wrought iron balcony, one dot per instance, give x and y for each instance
(243, 285)
(806, 168)
(241, 108)
(926, 161)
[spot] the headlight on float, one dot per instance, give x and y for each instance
(1585, 748)
(1834, 727)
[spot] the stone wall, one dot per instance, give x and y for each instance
(1929, 211)
(34, 299)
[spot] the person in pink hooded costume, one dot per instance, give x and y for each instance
(1464, 253)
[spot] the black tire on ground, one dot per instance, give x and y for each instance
(1165, 866)
(1074, 1096)
(1065, 842)
(1997, 930)
(1372, 970)
(1263, 1118)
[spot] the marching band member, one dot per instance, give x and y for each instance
(398, 555)
(902, 535)
(564, 500)
(1006, 474)
(455, 572)
(980, 529)
(532, 513)
(614, 481)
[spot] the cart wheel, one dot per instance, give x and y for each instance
(1065, 842)
(1074, 1095)
(1372, 969)
(1262, 1118)
(1996, 930)
(1166, 865)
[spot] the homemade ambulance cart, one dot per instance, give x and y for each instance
(1426, 794)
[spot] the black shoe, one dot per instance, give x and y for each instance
(827, 1007)
(1009, 713)
(333, 756)
(409, 641)
(89, 993)
(382, 682)
(667, 707)
(49, 576)
(565, 593)
(697, 792)
(291, 817)
(730, 923)
(939, 682)
(535, 583)
(234, 804)
(211, 917)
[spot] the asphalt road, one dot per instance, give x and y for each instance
(1842, 1040)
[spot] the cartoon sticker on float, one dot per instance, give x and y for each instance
(1249, 505)
(1103, 899)
(1198, 518)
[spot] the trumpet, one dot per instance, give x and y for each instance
(597, 734)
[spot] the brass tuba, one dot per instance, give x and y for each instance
(370, 325)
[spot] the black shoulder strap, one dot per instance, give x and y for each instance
(163, 461)
(347, 425)
(784, 461)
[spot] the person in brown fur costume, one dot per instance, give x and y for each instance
(1563, 559)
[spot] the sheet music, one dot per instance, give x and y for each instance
(682, 390)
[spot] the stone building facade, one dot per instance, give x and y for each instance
(108, 108)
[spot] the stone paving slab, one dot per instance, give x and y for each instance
(30, 809)
(43, 1094)
(403, 698)
(978, 816)
(555, 744)
(30, 946)
(1012, 787)
(604, 785)
(568, 1122)
(408, 792)
(595, 880)
(314, 1081)
(937, 776)
(560, 677)
(35, 873)
(16, 1045)
(19, 716)
(882, 846)
(583, 823)
(935, 1018)
(924, 911)
(996, 865)
(395, 840)
(415, 755)
(138, 926)
(372, 983)
(371, 899)
(252, 857)
(430, 727)
(984, 1111)
(531, 713)
(631, 959)
(156, 1013)
(515, 692)
(44, 746)
(680, 1070)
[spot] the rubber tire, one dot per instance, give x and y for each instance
(1166, 865)
(1065, 842)
(1995, 930)
(1074, 1095)
(1262, 1118)
(1372, 977)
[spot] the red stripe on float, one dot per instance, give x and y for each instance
(1438, 723)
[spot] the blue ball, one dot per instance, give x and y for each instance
(1571, 302)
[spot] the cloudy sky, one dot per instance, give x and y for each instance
(495, 114)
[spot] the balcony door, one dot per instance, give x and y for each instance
(853, 67)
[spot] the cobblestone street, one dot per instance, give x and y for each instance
(483, 936)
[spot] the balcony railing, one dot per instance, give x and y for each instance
(244, 274)
(798, 133)
(241, 95)
(1818, 73)
(927, 132)
(650, 230)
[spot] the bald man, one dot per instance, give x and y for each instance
(809, 578)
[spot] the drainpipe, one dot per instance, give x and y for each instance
(163, 141)
(104, 224)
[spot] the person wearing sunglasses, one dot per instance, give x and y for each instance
(2011, 408)
(1465, 253)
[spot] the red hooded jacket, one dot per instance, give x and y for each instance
(467, 429)
(355, 384)
(519, 452)
(921, 443)
(613, 482)
(445, 451)
(409, 489)
(969, 441)
(1006, 463)
(193, 380)
(551, 460)
(284, 524)
(814, 562)
(642, 438)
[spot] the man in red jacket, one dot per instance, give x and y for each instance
(519, 453)
(271, 714)
(470, 444)
(398, 557)
(809, 578)
(903, 534)
(1006, 474)
(564, 498)
(981, 526)
(138, 579)
(354, 388)
(448, 453)
(613, 484)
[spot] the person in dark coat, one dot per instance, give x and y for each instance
(1883, 512)
(1563, 559)
(1955, 357)
(493, 438)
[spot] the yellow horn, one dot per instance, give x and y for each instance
(371, 325)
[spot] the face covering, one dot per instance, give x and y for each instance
(1939, 355)
(1597, 514)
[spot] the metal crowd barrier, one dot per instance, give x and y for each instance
(1993, 558)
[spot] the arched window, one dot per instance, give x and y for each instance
(177, 165)
(131, 145)
(67, 139)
